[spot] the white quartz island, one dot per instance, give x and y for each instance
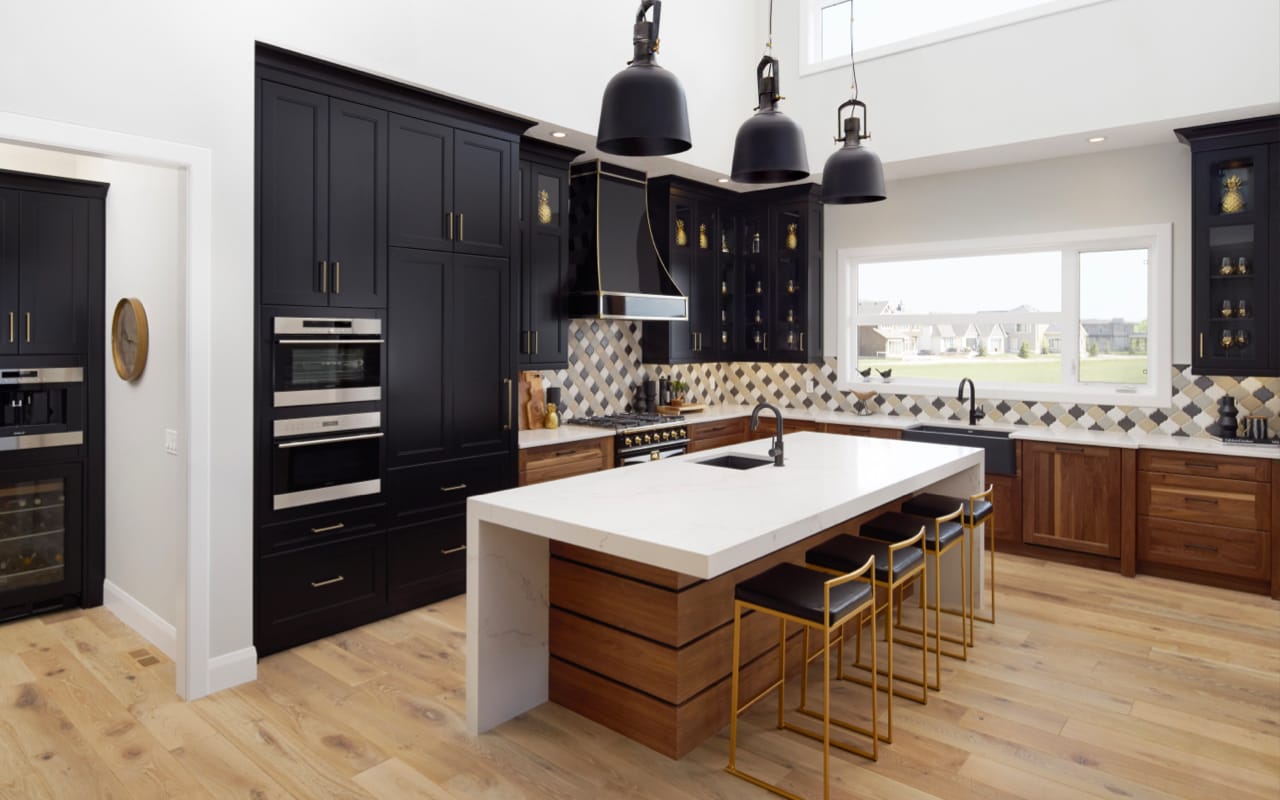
(676, 515)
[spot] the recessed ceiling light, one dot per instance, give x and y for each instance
(1096, 139)
(558, 134)
(722, 180)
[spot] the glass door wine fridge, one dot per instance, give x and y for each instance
(40, 538)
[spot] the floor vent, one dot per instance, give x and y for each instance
(143, 657)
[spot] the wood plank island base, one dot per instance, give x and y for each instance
(612, 593)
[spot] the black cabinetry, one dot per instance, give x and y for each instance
(544, 254)
(1235, 248)
(428, 194)
(450, 188)
(322, 199)
(751, 266)
(51, 321)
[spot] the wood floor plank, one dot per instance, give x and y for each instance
(1092, 685)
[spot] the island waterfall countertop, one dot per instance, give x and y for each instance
(677, 515)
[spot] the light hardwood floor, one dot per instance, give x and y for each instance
(1090, 685)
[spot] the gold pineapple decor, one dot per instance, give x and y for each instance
(1232, 200)
(544, 207)
(682, 236)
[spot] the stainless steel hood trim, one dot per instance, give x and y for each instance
(315, 397)
(37, 440)
(359, 326)
(42, 375)
(325, 494)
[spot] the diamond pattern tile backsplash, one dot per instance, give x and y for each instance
(606, 365)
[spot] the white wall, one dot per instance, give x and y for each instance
(183, 72)
(1103, 67)
(145, 488)
(1110, 189)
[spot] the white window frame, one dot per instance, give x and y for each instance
(1156, 238)
(811, 32)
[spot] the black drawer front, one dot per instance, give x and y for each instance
(428, 561)
(321, 529)
(310, 593)
(433, 490)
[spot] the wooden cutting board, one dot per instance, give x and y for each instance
(527, 379)
(687, 408)
(537, 406)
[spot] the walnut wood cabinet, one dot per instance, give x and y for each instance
(1077, 498)
(554, 461)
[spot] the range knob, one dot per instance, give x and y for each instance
(666, 435)
(626, 442)
(648, 439)
(683, 435)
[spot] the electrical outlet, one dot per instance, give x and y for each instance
(812, 386)
(171, 441)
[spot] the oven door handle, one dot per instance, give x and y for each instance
(330, 440)
(331, 341)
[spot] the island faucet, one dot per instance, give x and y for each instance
(975, 413)
(776, 451)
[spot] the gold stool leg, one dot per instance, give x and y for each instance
(733, 685)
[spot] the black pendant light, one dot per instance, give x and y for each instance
(643, 112)
(770, 146)
(852, 174)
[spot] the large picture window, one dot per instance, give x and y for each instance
(1081, 316)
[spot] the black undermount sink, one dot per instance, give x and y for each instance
(732, 461)
(1001, 457)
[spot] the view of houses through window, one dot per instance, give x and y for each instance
(1006, 318)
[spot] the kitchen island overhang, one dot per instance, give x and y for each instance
(676, 515)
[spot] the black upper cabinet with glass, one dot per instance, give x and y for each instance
(1235, 220)
(751, 265)
(543, 247)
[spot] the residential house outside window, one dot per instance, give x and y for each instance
(1082, 316)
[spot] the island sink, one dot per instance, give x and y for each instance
(733, 461)
(1001, 456)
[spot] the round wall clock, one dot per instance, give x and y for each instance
(129, 338)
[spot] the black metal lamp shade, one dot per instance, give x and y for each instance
(852, 174)
(644, 112)
(769, 147)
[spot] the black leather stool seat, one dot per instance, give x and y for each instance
(940, 505)
(797, 591)
(846, 553)
(894, 526)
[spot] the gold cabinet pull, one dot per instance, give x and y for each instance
(330, 582)
(324, 277)
(337, 277)
(451, 226)
(1202, 344)
(11, 316)
(535, 342)
(453, 550)
(28, 327)
(453, 488)
(327, 528)
(506, 426)
(462, 236)
(802, 340)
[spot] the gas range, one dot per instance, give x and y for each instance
(641, 437)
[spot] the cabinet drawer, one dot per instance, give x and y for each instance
(1243, 469)
(320, 529)
(314, 592)
(720, 429)
(539, 464)
(428, 562)
(430, 490)
(1226, 551)
(1236, 504)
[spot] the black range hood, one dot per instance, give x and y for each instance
(619, 272)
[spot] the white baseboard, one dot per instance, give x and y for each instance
(149, 625)
(233, 669)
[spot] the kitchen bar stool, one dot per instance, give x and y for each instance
(942, 534)
(978, 509)
(793, 593)
(897, 565)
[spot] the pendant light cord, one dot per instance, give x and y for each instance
(853, 64)
(768, 45)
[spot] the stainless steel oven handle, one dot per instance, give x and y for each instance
(331, 440)
(331, 341)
